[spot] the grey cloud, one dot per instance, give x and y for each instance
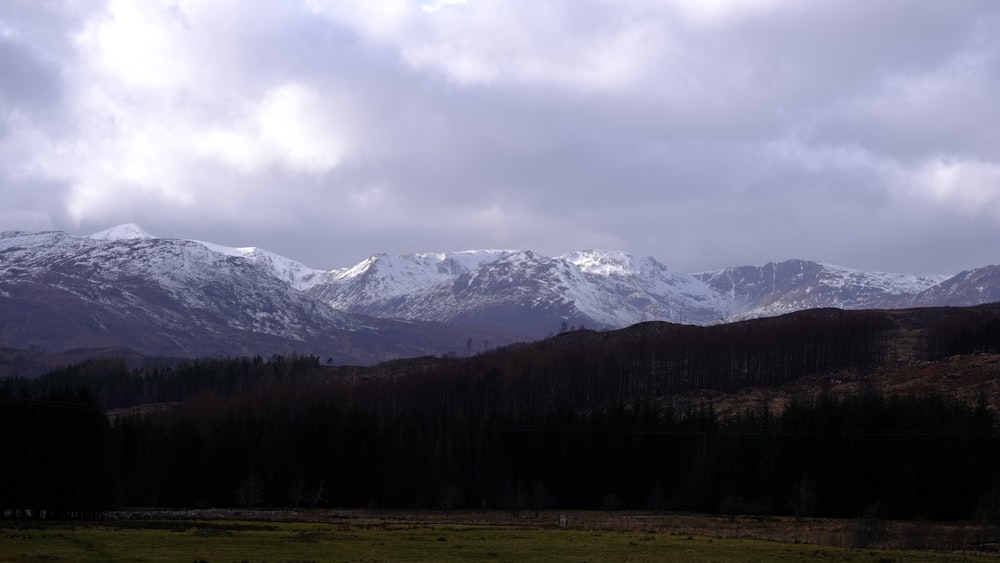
(795, 131)
(27, 82)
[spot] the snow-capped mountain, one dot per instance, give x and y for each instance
(519, 290)
(128, 231)
(648, 289)
(793, 285)
(296, 274)
(383, 277)
(125, 287)
(598, 289)
(971, 287)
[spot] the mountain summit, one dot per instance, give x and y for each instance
(128, 231)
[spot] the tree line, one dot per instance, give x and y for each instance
(304, 446)
(581, 420)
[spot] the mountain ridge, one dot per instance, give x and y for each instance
(125, 287)
(614, 289)
(176, 297)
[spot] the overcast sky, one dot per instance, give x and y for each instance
(704, 133)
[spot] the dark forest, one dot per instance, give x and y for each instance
(580, 420)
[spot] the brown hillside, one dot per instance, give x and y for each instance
(747, 365)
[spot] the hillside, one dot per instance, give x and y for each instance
(751, 364)
(826, 412)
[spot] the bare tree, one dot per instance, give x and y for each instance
(296, 491)
(804, 494)
(317, 496)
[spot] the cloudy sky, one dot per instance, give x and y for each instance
(705, 133)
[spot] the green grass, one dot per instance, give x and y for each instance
(273, 542)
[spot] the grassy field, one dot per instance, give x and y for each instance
(301, 541)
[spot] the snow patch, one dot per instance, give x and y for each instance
(601, 262)
(128, 231)
(297, 274)
(394, 275)
(894, 284)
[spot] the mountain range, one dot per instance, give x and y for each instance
(123, 287)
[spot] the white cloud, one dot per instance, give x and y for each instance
(719, 12)
(973, 186)
(483, 42)
(163, 104)
(616, 45)
(435, 5)
(534, 48)
(387, 21)
(140, 45)
(291, 126)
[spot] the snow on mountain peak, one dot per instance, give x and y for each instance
(896, 284)
(295, 273)
(406, 273)
(601, 262)
(128, 231)
(607, 288)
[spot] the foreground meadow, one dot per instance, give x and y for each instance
(411, 540)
